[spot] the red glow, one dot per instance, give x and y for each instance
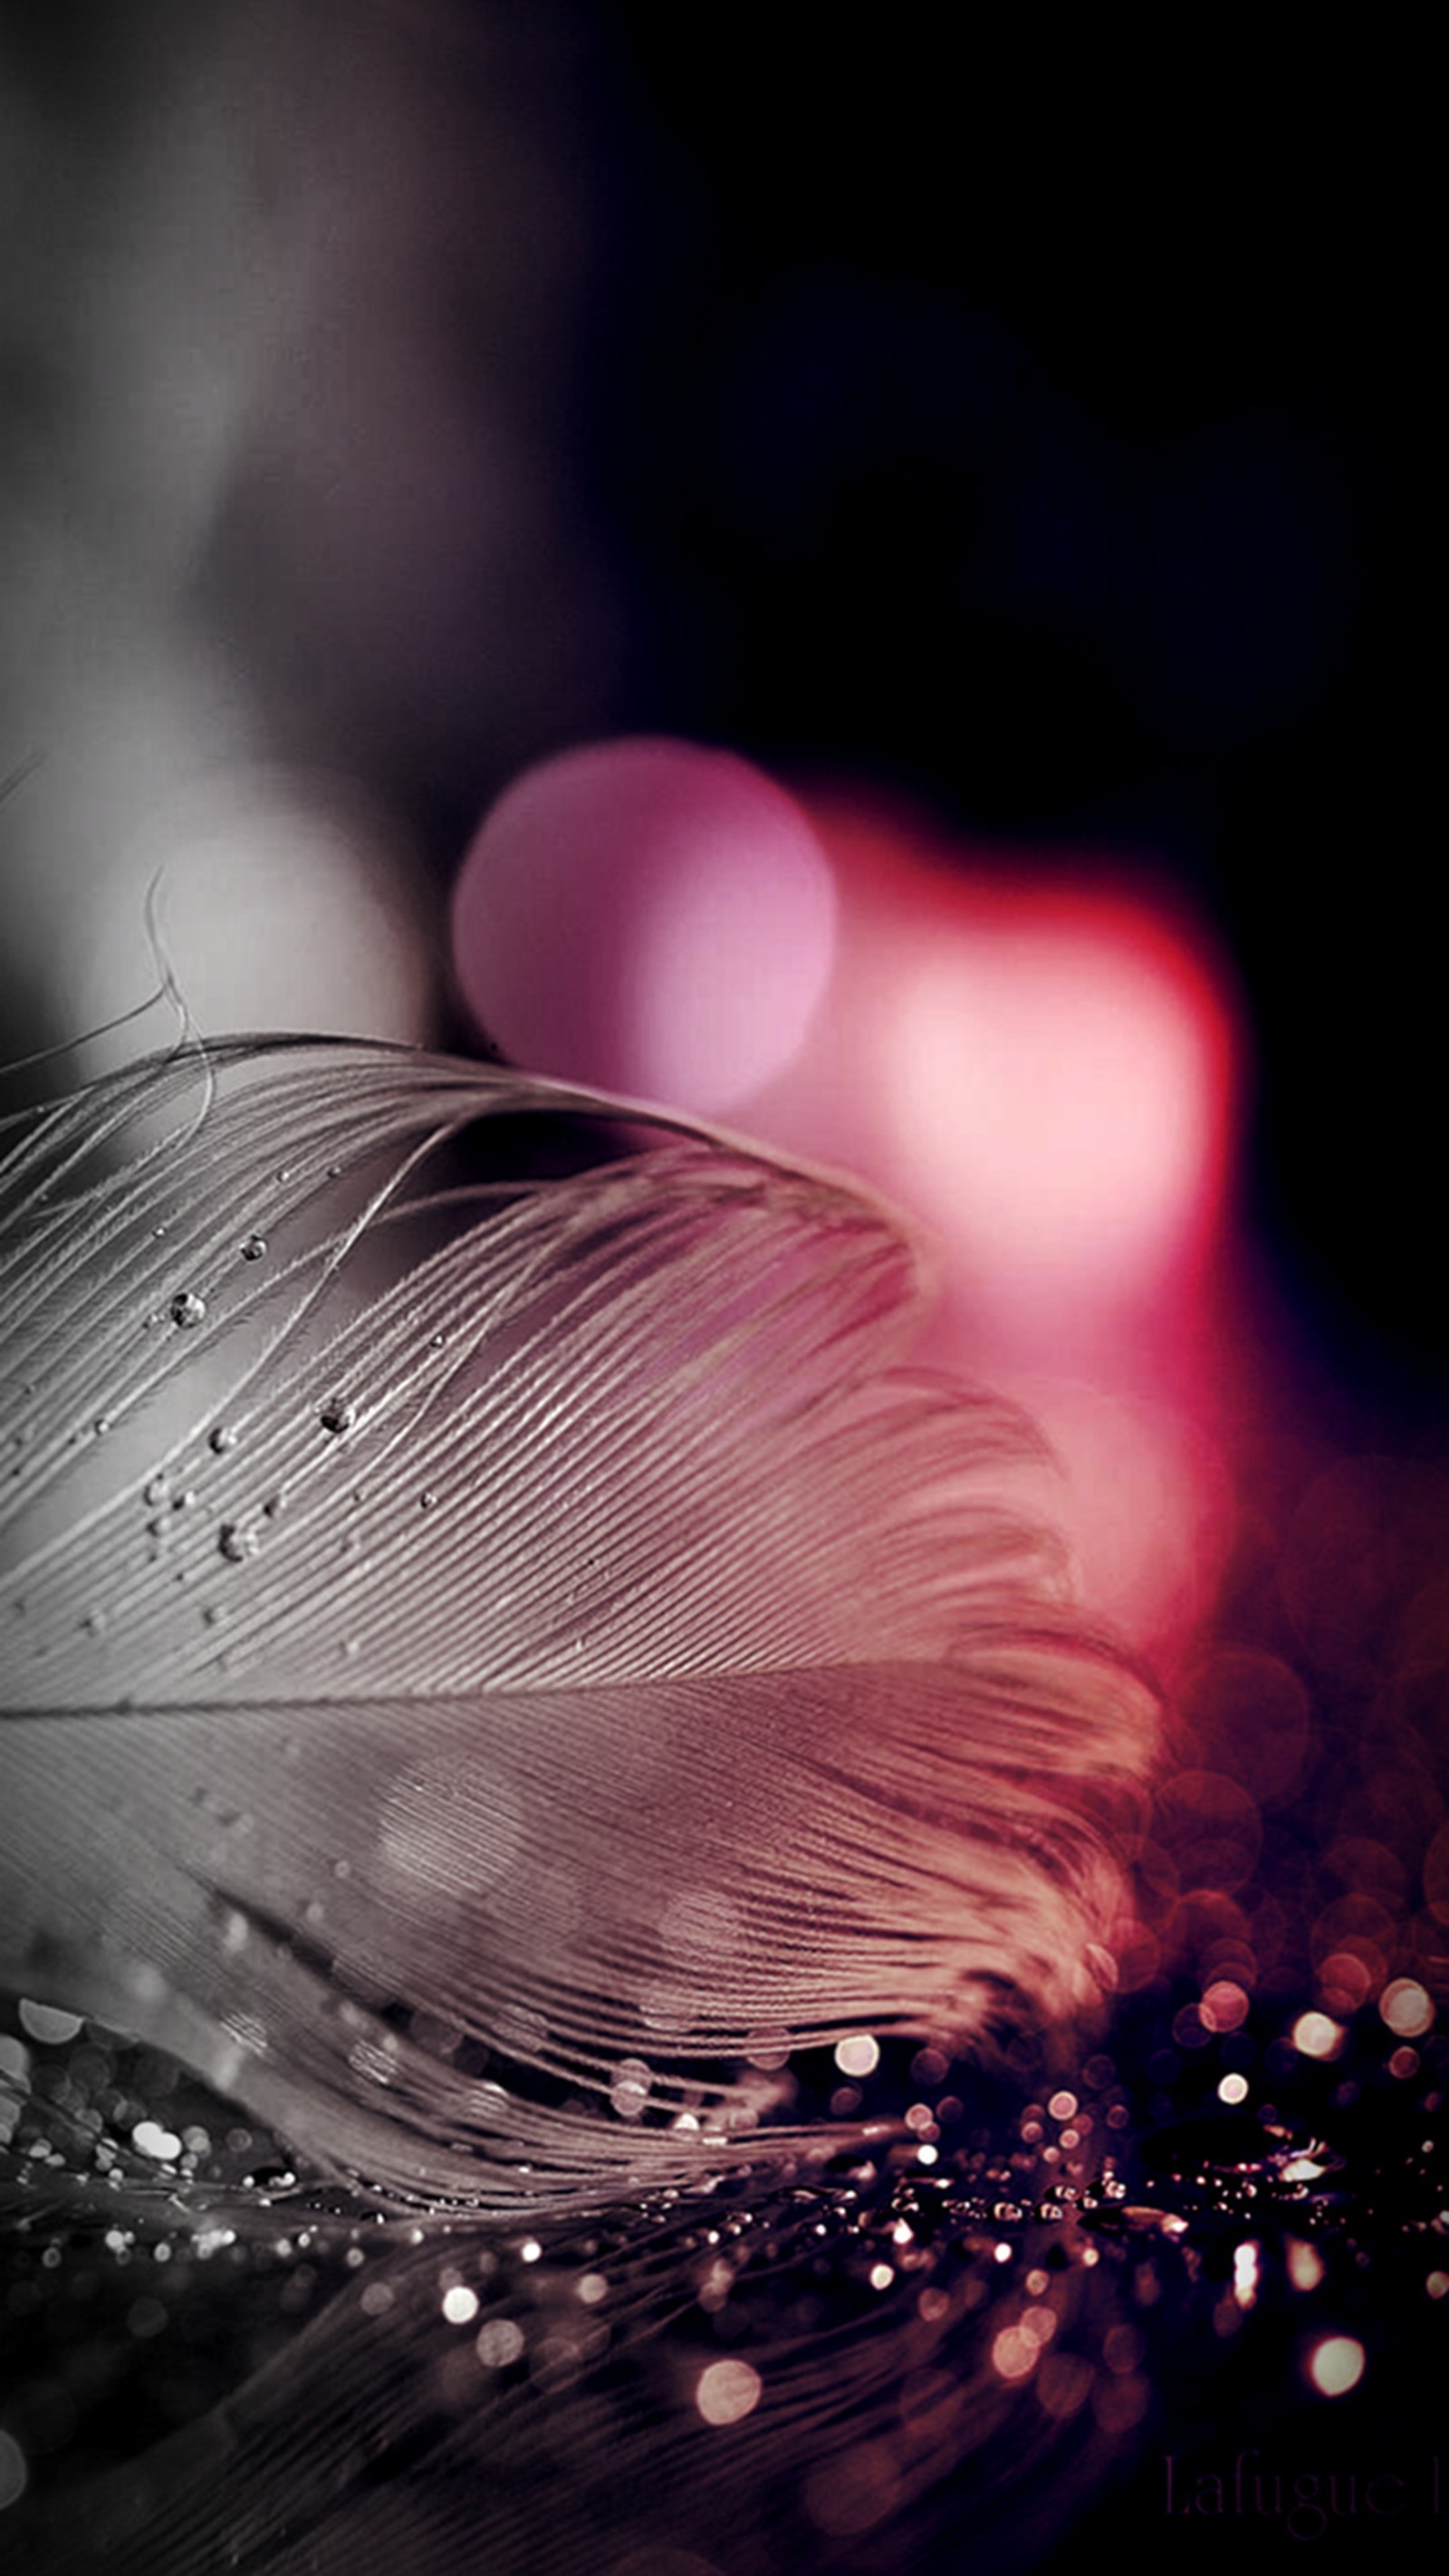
(1038, 1059)
(1043, 1066)
(1050, 1092)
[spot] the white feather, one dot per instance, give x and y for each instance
(515, 1599)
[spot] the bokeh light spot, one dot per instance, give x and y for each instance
(1406, 2008)
(858, 2055)
(1252, 1713)
(1346, 1979)
(1314, 2035)
(1305, 2263)
(150, 2139)
(1014, 2353)
(1211, 1827)
(646, 915)
(499, 2343)
(851, 2491)
(727, 2391)
(1336, 2364)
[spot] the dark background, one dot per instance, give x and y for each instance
(1031, 415)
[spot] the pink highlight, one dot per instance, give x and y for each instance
(1052, 1090)
(649, 916)
(1040, 1060)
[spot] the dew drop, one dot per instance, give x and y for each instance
(47, 2023)
(337, 1414)
(14, 2471)
(222, 1438)
(254, 1247)
(630, 2089)
(187, 1309)
(236, 1545)
(150, 2139)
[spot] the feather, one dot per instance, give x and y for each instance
(491, 1627)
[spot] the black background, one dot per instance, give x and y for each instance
(1029, 412)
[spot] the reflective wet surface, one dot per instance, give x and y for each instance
(1108, 2300)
